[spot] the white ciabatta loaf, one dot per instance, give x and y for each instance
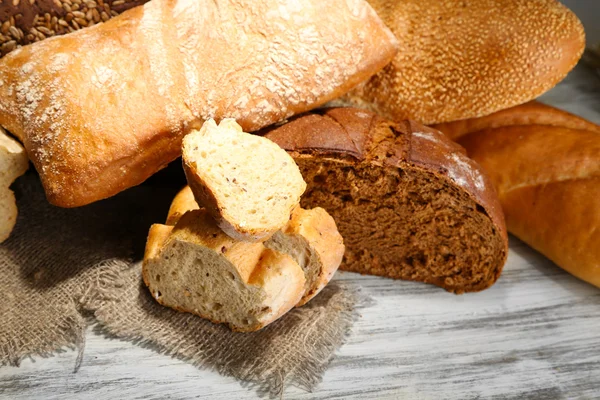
(463, 59)
(13, 163)
(101, 109)
(311, 237)
(195, 267)
(247, 183)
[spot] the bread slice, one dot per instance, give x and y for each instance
(195, 267)
(246, 182)
(310, 237)
(13, 163)
(406, 199)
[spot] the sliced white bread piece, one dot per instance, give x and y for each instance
(312, 239)
(247, 183)
(195, 267)
(13, 163)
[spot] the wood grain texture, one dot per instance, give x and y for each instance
(533, 335)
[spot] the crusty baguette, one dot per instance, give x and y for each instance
(195, 267)
(461, 60)
(101, 109)
(13, 163)
(407, 201)
(532, 113)
(548, 180)
(246, 182)
(311, 238)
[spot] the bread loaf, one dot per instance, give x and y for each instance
(310, 237)
(548, 180)
(532, 113)
(195, 267)
(246, 182)
(189, 264)
(101, 109)
(13, 163)
(27, 21)
(408, 202)
(462, 59)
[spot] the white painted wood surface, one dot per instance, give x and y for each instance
(534, 334)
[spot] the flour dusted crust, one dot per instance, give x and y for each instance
(13, 163)
(408, 201)
(461, 59)
(101, 109)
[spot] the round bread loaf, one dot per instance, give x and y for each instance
(408, 202)
(461, 59)
(27, 21)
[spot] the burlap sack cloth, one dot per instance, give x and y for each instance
(63, 269)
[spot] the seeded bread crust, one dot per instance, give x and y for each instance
(347, 142)
(13, 163)
(162, 69)
(27, 21)
(462, 59)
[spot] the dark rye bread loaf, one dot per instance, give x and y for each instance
(407, 201)
(27, 21)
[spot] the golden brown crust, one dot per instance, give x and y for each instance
(548, 180)
(532, 113)
(183, 202)
(318, 228)
(462, 59)
(101, 109)
(544, 163)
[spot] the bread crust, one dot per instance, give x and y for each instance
(462, 60)
(13, 163)
(255, 265)
(102, 109)
(548, 180)
(532, 113)
(318, 228)
(353, 135)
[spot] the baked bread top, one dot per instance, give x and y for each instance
(102, 109)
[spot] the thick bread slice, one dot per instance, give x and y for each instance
(311, 237)
(13, 163)
(246, 182)
(194, 267)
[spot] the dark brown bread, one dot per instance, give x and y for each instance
(27, 21)
(408, 202)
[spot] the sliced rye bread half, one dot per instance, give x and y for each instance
(310, 237)
(246, 182)
(408, 202)
(195, 267)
